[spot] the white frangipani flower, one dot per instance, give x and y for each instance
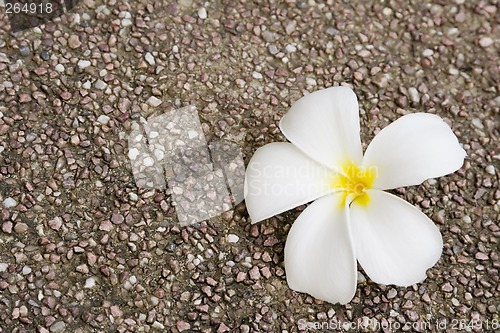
(352, 218)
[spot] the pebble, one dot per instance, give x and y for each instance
(254, 273)
(9, 203)
(82, 64)
(157, 325)
(58, 326)
(89, 283)
(392, 293)
(414, 95)
(74, 42)
(100, 84)
(291, 48)
(232, 238)
(150, 59)
(311, 81)
(202, 13)
(26, 270)
(25, 50)
(257, 75)
(45, 55)
(481, 256)
(3, 267)
(447, 287)
(477, 123)
(133, 153)
(60, 68)
(2, 149)
(55, 223)
(182, 326)
(153, 101)
(159, 154)
(427, 53)
(148, 161)
(272, 49)
(106, 226)
(103, 119)
(489, 169)
(127, 19)
(486, 42)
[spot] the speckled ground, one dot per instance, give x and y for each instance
(82, 249)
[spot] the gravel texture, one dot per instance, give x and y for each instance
(83, 249)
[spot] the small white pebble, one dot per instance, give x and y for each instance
(127, 285)
(432, 181)
(232, 238)
(60, 68)
(150, 59)
(466, 219)
(133, 153)
(453, 71)
(202, 13)
(159, 154)
(361, 278)
(148, 161)
(9, 203)
(89, 283)
(490, 169)
(100, 84)
(291, 48)
(310, 81)
(1, 149)
(427, 53)
(3, 267)
(132, 196)
(414, 95)
(387, 11)
(153, 101)
(157, 325)
(257, 75)
(486, 41)
(155, 300)
(132, 279)
(477, 123)
(82, 64)
(103, 119)
(26, 270)
(87, 85)
(126, 22)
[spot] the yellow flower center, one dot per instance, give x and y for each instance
(354, 181)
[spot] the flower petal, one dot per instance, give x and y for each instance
(412, 149)
(325, 126)
(319, 257)
(280, 177)
(395, 243)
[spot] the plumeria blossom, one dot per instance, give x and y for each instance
(352, 218)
